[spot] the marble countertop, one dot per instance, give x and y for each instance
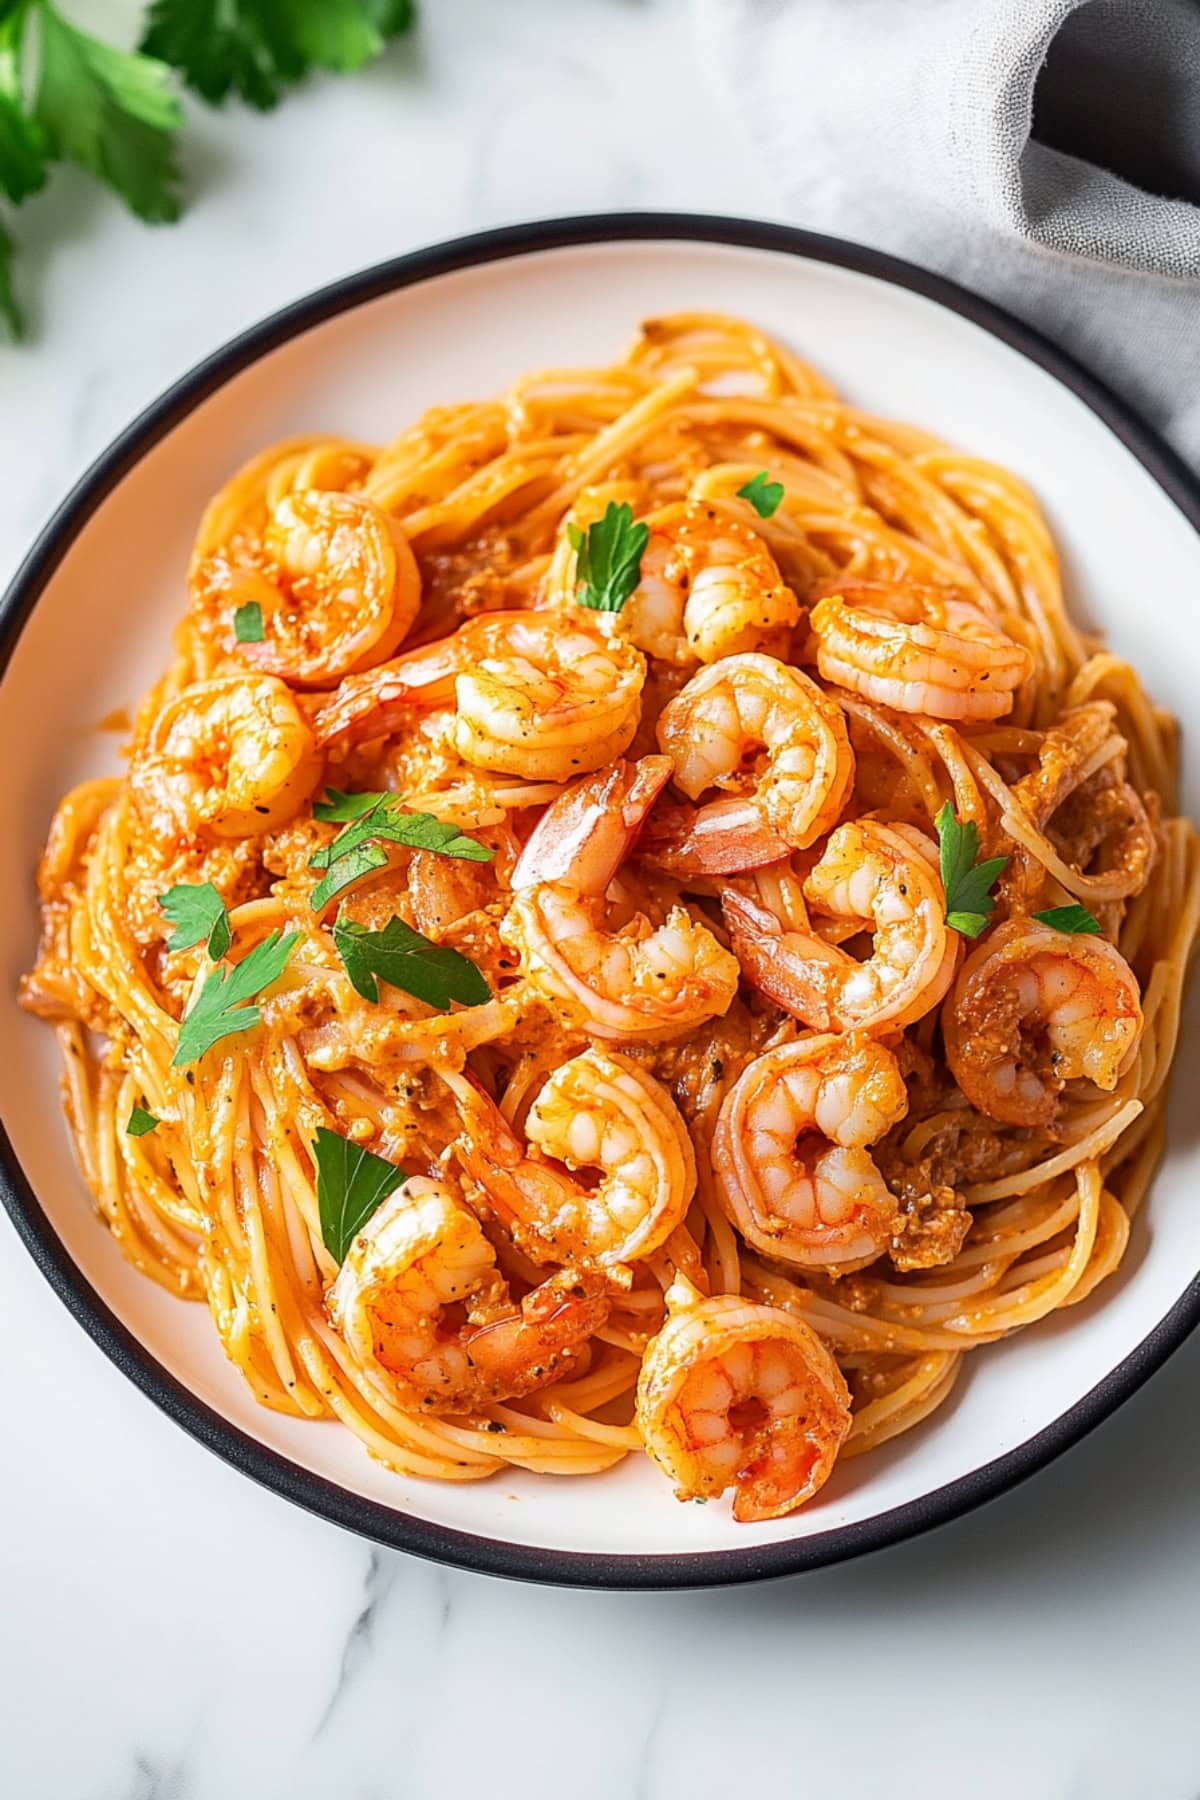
(168, 1631)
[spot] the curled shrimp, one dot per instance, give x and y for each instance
(336, 583)
(541, 695)
(641, 983)
(918, 650)
(599, 1112)
(790, 1151)
(1033, 1008)
(752, 727)
(736, 1394)
(708, 588)
(233, 756)
(420, 1302)
(885, 877)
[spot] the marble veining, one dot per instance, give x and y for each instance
(170, 1632)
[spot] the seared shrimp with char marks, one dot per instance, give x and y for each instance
(1034, 1008)
(420, 1302)
(534, 694)
(751, 727)
(918, 649)
(734, 1394)
(231, 757)
(790, 1157)
(640, 984)
(708, 588)
(885, 877)
(600, 1112)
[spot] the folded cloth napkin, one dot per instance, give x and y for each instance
(1044, 152)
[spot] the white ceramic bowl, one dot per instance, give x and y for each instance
(86, 627)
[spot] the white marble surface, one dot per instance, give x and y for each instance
(167, 1631)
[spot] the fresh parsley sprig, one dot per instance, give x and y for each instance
(223, 1005)
(200, 916)
(1075, 920)
(67, 96)
(967, 883)
(608, 558)
(371, 818)
(257, 48)
(352, 1184)
(400, 956)
(763, 494)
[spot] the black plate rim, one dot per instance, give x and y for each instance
(382, 1524)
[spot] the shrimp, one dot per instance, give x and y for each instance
(709, 588)
(420, 1301)
(336, 583)
(600, 1111)
(736, 1394)
(790, 1157)
(1034, 1008)
(233, 756)
(535, 694)
(752, 706)
(641, 984)
(886, 877)
(918, 650)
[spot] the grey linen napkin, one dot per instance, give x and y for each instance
(1043, 152)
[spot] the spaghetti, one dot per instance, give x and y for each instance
(773, 1001)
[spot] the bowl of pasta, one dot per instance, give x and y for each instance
(613, 901)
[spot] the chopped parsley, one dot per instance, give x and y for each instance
(140, 1122)
(763, 494)
(608, 558)
(222, 1007)
(967, 883)
(400, 956)
(1075, 920)
(352, 1183)
(200, 916)
(248, 623)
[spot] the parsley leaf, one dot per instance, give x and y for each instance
(140, 1122)
(967, 883)
(337, 806)
(198, 912)
(764, 495)
(401, 956)
(248, 623)
(1075, 920)
(220, 1008)
(22, 143)
(10, 312)
(352, 1183)
(355, 851)
(608, 558)
(256, 48)
(110, 111)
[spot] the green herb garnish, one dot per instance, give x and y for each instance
(248, 623)
(763, 494)
(356, 850)
(256, 48)
(402, 957)
(222, 1007)
(967, 883)
(1075, 920)
(140, 1122)
(199, 915)
(67, 96)
(352, 1183)
(608, 558)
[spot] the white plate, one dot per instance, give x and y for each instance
(86, 626)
